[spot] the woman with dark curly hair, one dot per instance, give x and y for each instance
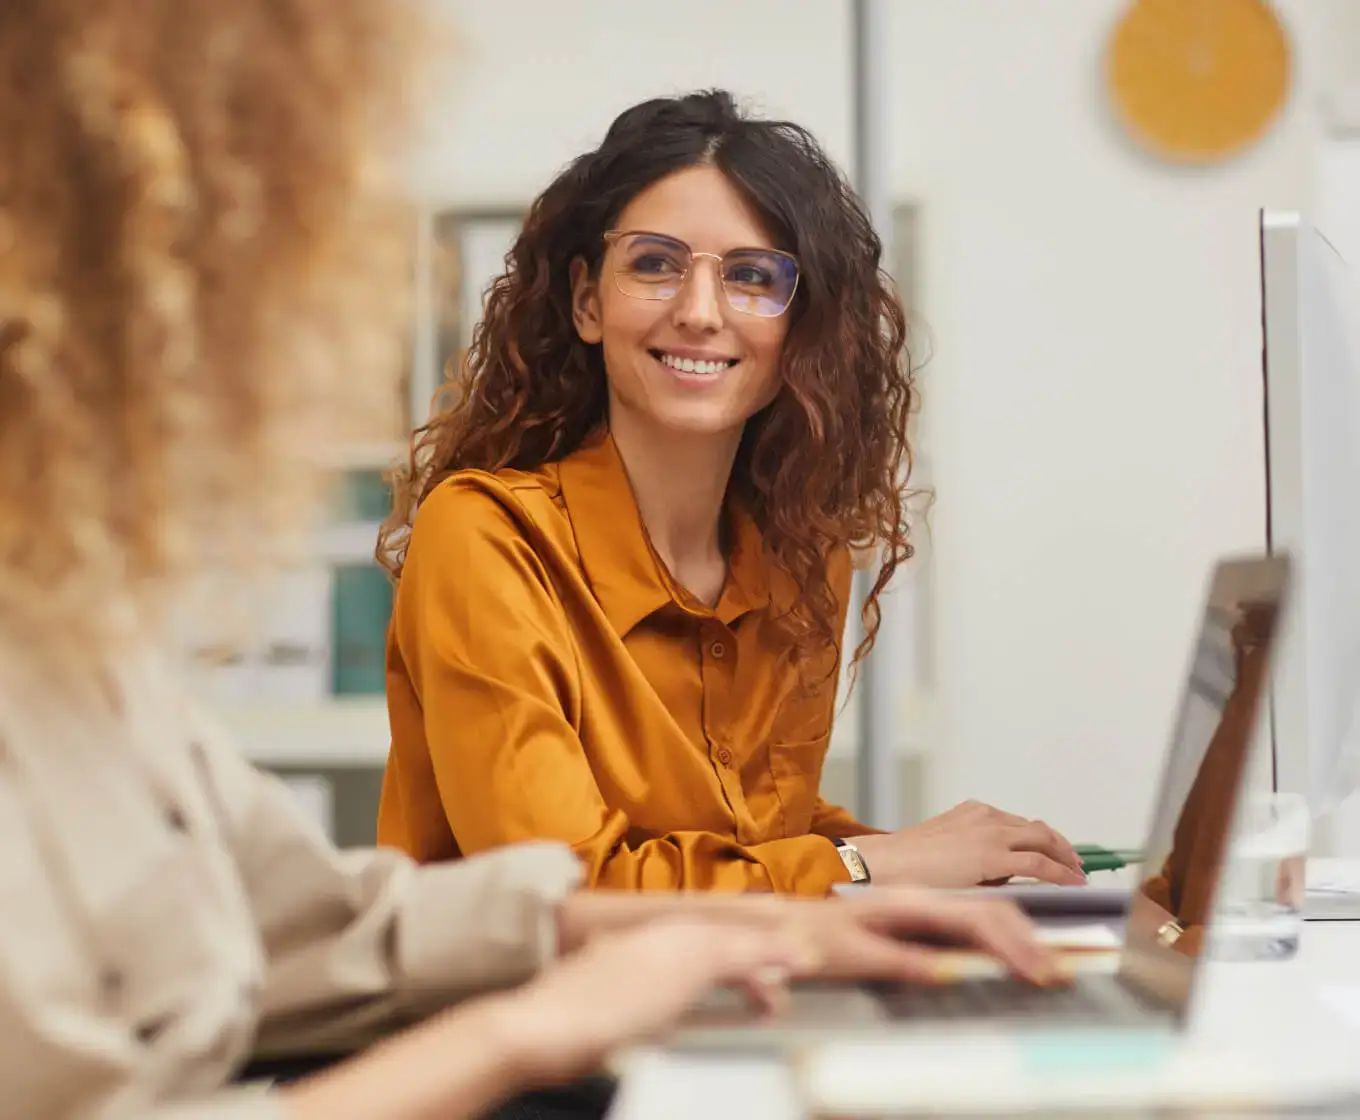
(620, 602)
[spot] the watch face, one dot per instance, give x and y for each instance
(851, 858)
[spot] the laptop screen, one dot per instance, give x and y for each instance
(1214, 735)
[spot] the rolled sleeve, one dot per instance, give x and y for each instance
(503, 906)
(807, 865)
(359, 941)
(250, 1102)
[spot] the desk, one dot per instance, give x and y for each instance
(1250, 1005)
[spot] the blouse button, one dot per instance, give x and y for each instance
(148, 1032)
(111, 983)
(222, 1050)
(725, 756)
(717, 649)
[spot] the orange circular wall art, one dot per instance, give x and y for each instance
(1195, 81)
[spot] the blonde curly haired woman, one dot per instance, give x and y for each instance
(196, 268)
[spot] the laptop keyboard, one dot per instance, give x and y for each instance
(1089, 998)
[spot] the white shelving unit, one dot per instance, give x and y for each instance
(342, 733)
(364, 456)
(351, 733)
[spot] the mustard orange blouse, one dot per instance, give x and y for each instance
(547, 679)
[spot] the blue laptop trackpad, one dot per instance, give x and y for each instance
(1095, 1050)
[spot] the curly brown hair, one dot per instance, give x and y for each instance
(196, 270)
(822, 468)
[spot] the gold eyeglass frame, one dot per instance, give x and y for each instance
(611, 237)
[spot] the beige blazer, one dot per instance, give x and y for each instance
(166, 913)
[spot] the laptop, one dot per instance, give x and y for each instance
(1146, 983)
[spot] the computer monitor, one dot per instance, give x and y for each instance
(1311, 354)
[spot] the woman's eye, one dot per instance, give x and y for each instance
(749, 274)
(653, 263)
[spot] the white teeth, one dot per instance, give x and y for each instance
(690, 365)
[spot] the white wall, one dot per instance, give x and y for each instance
(540, 81)
(1093, 408)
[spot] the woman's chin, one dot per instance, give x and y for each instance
(696, 422)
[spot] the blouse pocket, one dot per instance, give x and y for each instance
(157, 949)
(797, 771)
(178, 966)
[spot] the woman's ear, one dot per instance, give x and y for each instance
(585, 302)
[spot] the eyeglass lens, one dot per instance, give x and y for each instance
(756, 281)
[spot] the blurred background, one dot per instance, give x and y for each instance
(1075, 228)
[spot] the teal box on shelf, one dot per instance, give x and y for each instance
(361, 595)
(362, 606)
(360, 495)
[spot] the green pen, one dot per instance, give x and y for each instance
(1096, 858)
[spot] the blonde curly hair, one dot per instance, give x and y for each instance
(199, 266)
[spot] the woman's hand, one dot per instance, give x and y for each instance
(643, 965)
(631, 986)
(880, 934)
(969, 845)
(622, 988)
(913, 935)
(634, 985)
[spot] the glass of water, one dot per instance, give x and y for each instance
(1259, 914)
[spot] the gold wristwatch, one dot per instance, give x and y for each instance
(854, 862)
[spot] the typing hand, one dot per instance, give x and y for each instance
(911, 934)
(629, 987)
(969, 845)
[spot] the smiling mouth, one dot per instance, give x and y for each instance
(694, 367)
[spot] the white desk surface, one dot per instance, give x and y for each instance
(1238, 1004)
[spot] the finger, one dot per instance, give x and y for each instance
(874, 956)
(768, 991)
(1063, 850)
(997, 927)
(922, 964)
(1070, 854)
(1036, 865)
(732, 955)
(1001, 930)
(1035, 836)
(695, 955)
(980, 810)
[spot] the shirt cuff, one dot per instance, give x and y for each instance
(486, 922)
(807, 865)
(254, 1101)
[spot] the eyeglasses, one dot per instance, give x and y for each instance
(654, 266)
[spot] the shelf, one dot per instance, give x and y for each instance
(347, 732)
(348, 542)
(363, 456)
(344, 733)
